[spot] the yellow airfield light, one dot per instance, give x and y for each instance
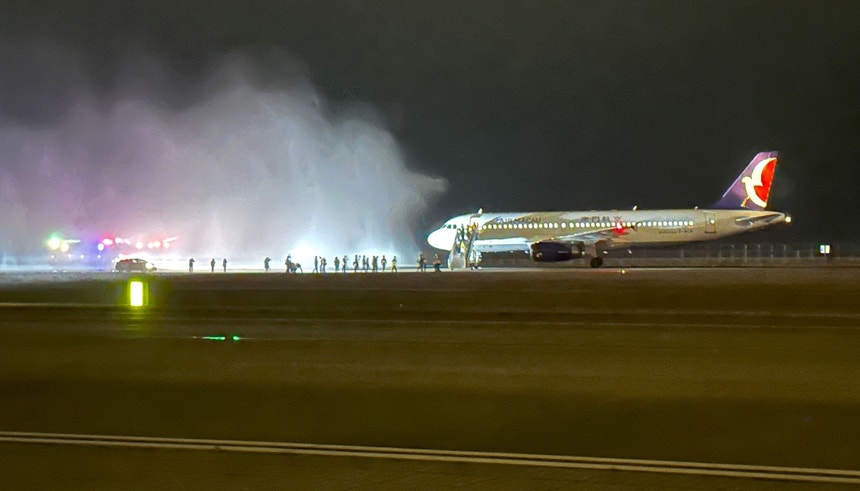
(136, 293)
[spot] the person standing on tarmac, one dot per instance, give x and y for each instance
(191, 265)
(212, 264)
(322, 264)
(224, 263)
(384, 262)
(394, 264)
(266, 263)
(355, 264)
(422, 263)
(336, 264)
(343, 265)
(316, 264)
(437, 263)
(374, 264)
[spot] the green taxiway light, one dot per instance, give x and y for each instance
(54, 242)
(233, 338)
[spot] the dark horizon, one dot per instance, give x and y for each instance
(559, 105)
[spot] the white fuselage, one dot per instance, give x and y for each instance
(603, 230)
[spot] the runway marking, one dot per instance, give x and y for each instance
(836, 476)
(40, 306)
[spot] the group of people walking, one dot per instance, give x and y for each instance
(422, 263)
(371, 264)
(212, 264)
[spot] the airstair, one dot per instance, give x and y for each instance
(463, 254)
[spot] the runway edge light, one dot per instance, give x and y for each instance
(136, 293)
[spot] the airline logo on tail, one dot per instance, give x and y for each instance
(752, 188)
(758, 184)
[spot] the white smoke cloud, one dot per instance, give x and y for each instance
(246, 170)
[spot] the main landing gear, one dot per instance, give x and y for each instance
(596, 262)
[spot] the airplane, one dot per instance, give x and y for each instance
(554, 236)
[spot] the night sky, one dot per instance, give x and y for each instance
(518, 105)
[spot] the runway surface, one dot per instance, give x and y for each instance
(742, 367)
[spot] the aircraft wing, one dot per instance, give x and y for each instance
(605, 236)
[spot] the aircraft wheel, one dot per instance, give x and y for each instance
(596, 262)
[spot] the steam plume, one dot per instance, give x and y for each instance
(240, 163)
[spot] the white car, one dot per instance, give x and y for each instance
(135, 264)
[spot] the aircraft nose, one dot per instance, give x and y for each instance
(439, 240)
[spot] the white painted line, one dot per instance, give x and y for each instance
(836, 476)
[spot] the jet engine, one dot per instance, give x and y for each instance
(550, 252)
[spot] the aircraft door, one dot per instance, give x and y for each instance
(473, 222)
(710, 223)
